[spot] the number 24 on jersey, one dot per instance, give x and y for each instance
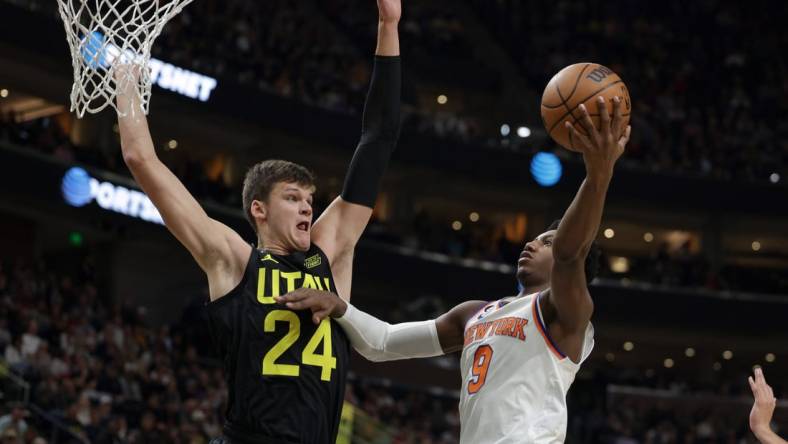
(325, 360)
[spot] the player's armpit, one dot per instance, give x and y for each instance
(339, 228)
(451, 325)
(568, 300)
(336, 233)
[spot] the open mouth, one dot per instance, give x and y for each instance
(303, 226)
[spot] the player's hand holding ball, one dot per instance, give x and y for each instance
(576, 110)
(601, 147)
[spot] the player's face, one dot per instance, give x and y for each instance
(536, 260)
(288, 216)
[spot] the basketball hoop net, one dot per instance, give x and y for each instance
(105, 34)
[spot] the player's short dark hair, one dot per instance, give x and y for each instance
(592, 259)
(263, 176)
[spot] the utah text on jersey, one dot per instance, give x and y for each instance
(272, 283)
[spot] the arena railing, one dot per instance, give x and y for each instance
(13, 383)
(59, 433)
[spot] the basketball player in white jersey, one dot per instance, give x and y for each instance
(520, 354)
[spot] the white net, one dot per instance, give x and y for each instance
(106, 34)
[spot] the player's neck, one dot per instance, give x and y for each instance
(531, 289)
(273, 247)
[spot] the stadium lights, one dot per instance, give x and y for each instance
(774, 177)
(474, 216)
(727, 355)
(456, 225)
(172, 144)
(770, 357)
(442, 99)
(689, 352)
(609, 233)
(629, 346)
(668, 363)
(619, 264)
(3, 93)
(505, 130)
(523, 132)
(648, 237)
(756, 246)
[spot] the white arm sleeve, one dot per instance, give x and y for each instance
(380, 341)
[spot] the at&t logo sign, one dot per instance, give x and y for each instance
(79, 189)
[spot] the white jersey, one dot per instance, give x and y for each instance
(514, 377)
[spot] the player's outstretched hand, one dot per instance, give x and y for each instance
(322, 303)
(763, 407)
(601, 147)
(389, 11)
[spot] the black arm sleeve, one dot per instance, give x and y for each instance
(379, 133)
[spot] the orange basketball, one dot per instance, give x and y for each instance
(577, 84)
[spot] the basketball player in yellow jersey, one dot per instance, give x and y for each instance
(285, 375)
(520, 354)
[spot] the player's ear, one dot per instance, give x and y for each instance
(259, 210)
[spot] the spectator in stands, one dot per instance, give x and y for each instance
(13, 356)
(14, 423)
(10, 436)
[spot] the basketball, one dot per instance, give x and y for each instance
(581, 83)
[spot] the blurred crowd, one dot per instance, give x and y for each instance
(105, 376)
(402, 415)
(319, 53)
(96, 368)
(707, 99)
(280, 46)
(699, 106)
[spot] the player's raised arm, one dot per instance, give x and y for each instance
(763, 409)
(219, 251)
(568, 299)
(341, 225)
(378, 340)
